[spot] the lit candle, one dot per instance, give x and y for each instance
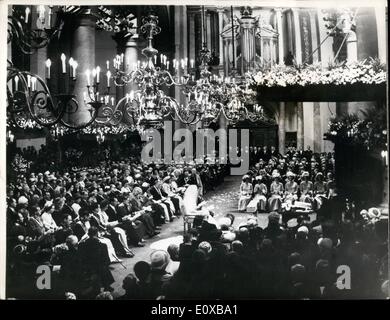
(131, 95)
(16, 82)
(71, 66)
(122, 57)
(63, 58)
(93, 74)
(192, 63)
(97, 74)
(27, 12)
(138, 64)
(108, 78)
(33, 83)
(85, 96)
(28, 81)
(168, 64)
(155, 59)
(106, 99)
(49, 19)
(108, 64)
(127, 98)
(75, 65)
(88, 75)
(161, 58)
(48, 65)
(112, 101)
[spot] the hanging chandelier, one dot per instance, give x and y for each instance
(33, 27)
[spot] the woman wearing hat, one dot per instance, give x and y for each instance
(276, 190)
(246, 190)
(259, 201)
(306, 188)
(319, 188)
(291, 187)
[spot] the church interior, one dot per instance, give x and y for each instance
(90, 87)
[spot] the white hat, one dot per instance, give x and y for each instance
(22, 200)
(303, 229)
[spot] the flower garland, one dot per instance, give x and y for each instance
(370, 71)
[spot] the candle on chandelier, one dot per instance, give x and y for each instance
(85, 96)
(88, 75)
(192, 63)
(97, 74)
(63, 58)
(161, 58)
(131, 96)
(122, 57)
(48, 65)
(112, 101)
(106, 99)
(28, 81)
(16, 82)
(168, 64)
(127, 98)
(27, 12)
(138, 64)
(49, 18)
(33, 83)
(108, 64)
(70, 66)
(108, 74)
(94, 74)
(75, 65)
(155, 59)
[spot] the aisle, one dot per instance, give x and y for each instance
(221, 201)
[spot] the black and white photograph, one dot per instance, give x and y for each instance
(194, 150)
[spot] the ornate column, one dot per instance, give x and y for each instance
(381, 23)
(220, 11)
(83, 51)
(300, 127)
(279, 14)
(281, 127)
(297, 36)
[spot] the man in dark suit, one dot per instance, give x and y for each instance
(95, 261)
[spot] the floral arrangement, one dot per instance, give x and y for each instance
(369, 132)
(20, 164)
(369, 71)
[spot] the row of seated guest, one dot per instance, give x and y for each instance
(125, 201)
(268, 184)
(218, 260)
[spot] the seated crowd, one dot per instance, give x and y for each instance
(304, 261)
(274, 179)
(101, 210)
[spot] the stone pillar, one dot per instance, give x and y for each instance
(300, 127)
(381, 23)
(314, 36)
(297, 36)
(83, 51)
(317, 127)
(38, 58)
(221, 48)
(325, 52)
(181, 49)
(352, 52)
(281, 127)
(279, 14)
